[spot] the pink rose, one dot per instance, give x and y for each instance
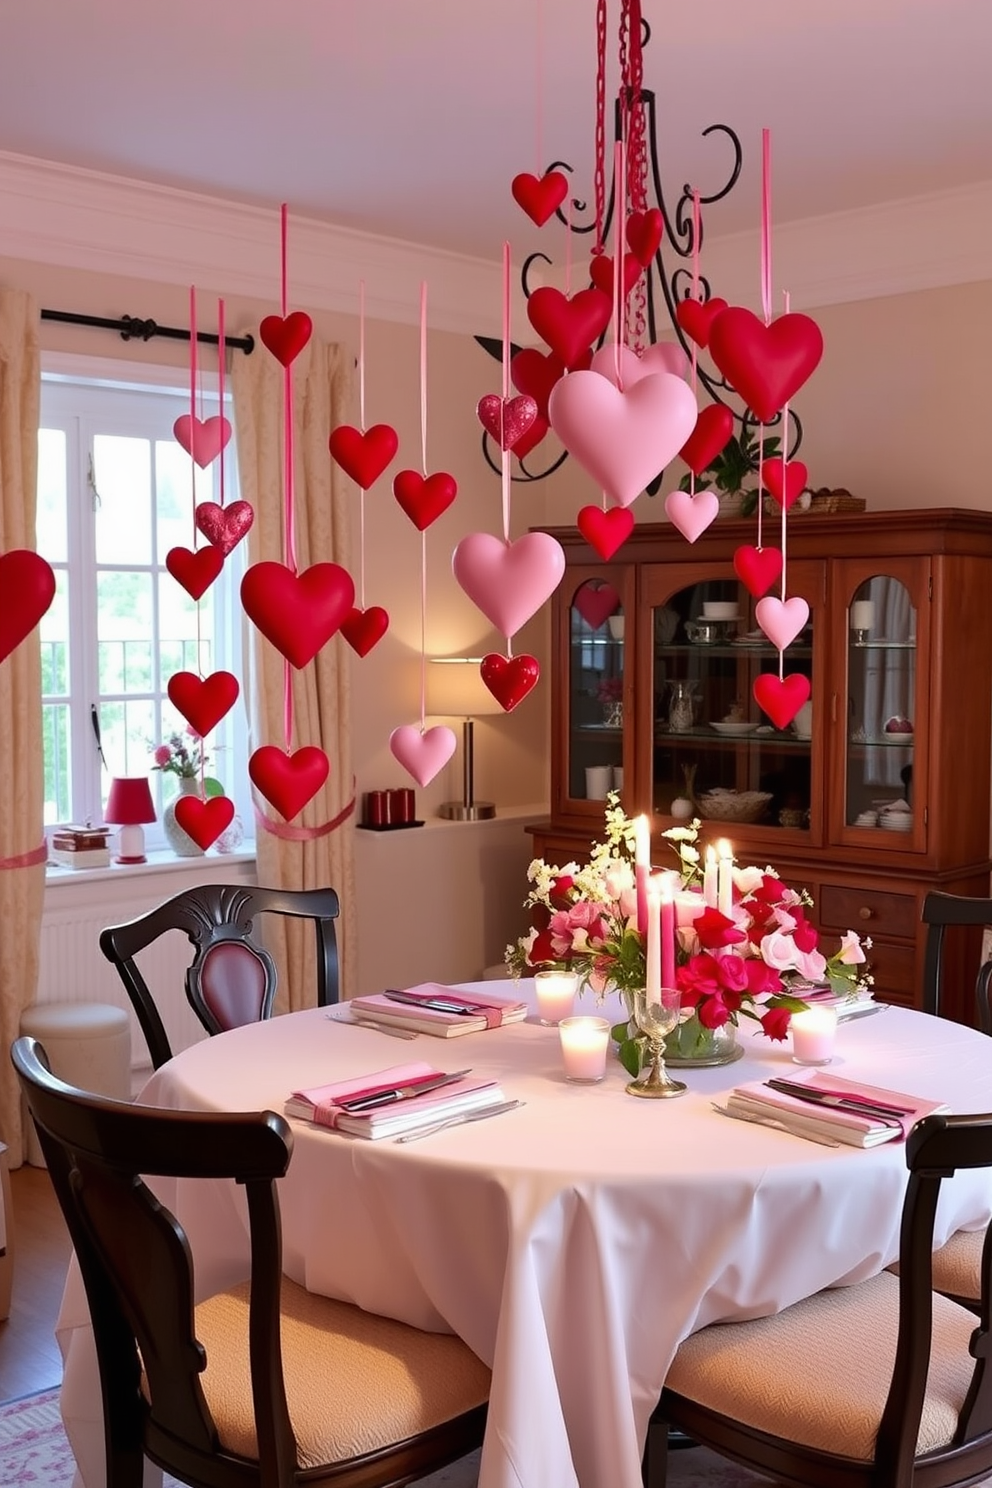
(778, 950)
(162, 754)
(850, 953)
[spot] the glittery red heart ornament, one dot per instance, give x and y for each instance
(288, 781)
(781, 700)
(202, 438)
(757, 568)
(224, 526)
(644, 233)
(697, 317)
(788, 489)
(606, 531)
(569, 326)
(601, 273)
(363, 629)
(298, 613)
(424, 497)
(286, 338)
(596, 603)
(714, 426)
(195, 571)
(509, 678)
(539, 196)
(767, 365)
(363, 456)
(27, 588)
(506, 419)
(203, 701)
(204, 820)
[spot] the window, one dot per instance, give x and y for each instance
(115, 493)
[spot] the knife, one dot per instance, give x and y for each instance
(849, 1103)
(373, 1101)
(437, 1004)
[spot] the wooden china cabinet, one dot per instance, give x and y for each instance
(881, 796)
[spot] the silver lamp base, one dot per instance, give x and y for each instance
(458, 811)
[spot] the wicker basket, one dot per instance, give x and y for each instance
(733, 806)
(828, 501)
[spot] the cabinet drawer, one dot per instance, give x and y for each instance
(868, 911)
(893, 968)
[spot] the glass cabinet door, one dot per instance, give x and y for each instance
(716, 754)
(881, 708)
(595, 697)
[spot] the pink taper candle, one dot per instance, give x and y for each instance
(642, 869)
(667, 935)
(653, 953)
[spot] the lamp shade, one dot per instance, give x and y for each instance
(455, 688)
(130, 801)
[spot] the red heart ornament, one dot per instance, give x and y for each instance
(596, 603)
(714, 427)
(286, 338)
(224, 526)
(363, 456)
(27, 584)
(766, 364)
(569, 326)
(204, 820)
(363, 629)
(696, 317)
(509, 679)
(534, 373)
(288, 781)
(787, 490)
(758, 568)
(644, 233)
(202, 438)
(195, 571)
(606, 531)
(506, 419)
(601, 273)
(781, 700)
(298, 613)
(203, 702)
(424, 498)
(539, 196)
(531, 438)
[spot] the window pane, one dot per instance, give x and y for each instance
(55, 640)
(124, 606)
(129, 736)
(58, 770)
(177, 479)
(179, 619)
(50, 524)
(122, 471)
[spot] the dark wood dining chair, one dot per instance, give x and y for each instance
(879, 1385)
(264, 1385)
(232, 977)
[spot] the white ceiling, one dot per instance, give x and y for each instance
(409, 118)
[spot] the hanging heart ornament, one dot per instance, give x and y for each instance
(424, 497)
(539, 196)
(781, 619)
(781, 698)
(606, 531)
(27, 584)
(363, 456)
(786, 486)
(422, 753)
(714, 426)
(224, 526)
(506, 419)
(596, 602)
(203, 439)
(569, 326)
(298, 613)
(757, 568)
(286, 338)
(766, 364)
(195, 571)
(203, 702)
(509, 678)
(204, 820)
(288, 781)
(508, 582)
(697, 316)
(691, 514)
(363, 629)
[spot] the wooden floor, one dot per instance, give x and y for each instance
(29, 1356)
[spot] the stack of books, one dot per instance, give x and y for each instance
(444, 1012)
(80, 847)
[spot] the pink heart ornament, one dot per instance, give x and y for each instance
(202, 438)
(691, 514)
(509, 582)
(622, 439)
(663, 356)
(422, 755)
(781, 620)
(224, 526)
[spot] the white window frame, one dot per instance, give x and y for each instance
(73, 388)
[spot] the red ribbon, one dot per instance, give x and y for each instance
(288, 833)
(28, 859)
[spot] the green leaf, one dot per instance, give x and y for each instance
(212, 787)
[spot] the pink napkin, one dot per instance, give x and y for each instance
(914, 1107)
(493, 1009)
(326, 1099)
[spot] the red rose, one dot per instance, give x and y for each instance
(542, 950)
(559, 892)
(805, 936)
(715, 930)
(713, 1012)
(761, 978)
(775, 1022)
(732, 973)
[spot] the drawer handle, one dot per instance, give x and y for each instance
(864, 913)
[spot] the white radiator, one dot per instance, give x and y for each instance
(74, 969)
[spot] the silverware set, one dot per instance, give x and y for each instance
(460, 1120)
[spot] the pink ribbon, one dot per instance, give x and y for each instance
(766, 226)
(288, 833)
(28, 859)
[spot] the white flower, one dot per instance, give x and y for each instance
(747, 879)
(779, 951)
(850, 953)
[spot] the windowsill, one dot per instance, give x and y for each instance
(162, 861)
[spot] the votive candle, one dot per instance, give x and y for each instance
(813, 1032)
(584, 1042)
(862, 614)
(555, 992)
(725, 878)
(642, 870)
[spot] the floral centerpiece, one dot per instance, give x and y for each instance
(754, 962)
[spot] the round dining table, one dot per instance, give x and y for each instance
(572, 1242)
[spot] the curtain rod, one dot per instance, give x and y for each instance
(130, 327)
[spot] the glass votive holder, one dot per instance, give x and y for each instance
(555, 992)
(584, 1045)
(813, 1033)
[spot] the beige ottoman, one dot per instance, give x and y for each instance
(88, 1045)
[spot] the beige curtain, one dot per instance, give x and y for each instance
(22, 859)
(320, 691)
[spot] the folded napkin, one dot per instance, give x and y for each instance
(844, 1123)
(844, 1004)
(323, 1104)
(480, 1012)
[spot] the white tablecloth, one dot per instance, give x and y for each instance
(571, 1243)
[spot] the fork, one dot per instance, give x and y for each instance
(773, 1125)
(460, 1120)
